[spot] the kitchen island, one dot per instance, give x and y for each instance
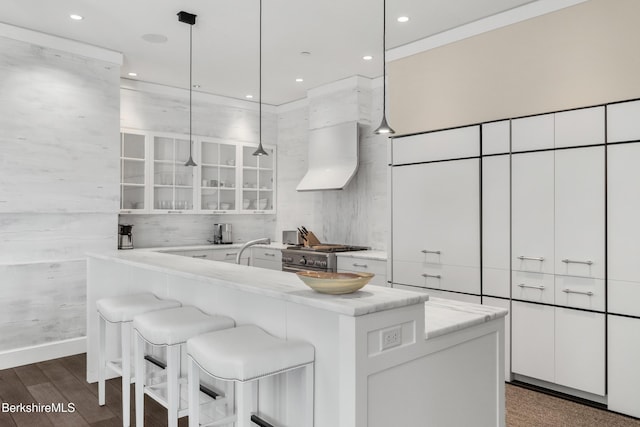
(383, 356)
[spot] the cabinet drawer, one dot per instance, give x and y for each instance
(624, 297)
(496, 137)
(441, 294)
(580, 292)
(440, 145)
(579, 127)
(229, 255)
(532, 340)
(360, 265)
(496, 282)
(536, 287)
(267, 254)
(623, 121)
(532, 133)
(444, 277)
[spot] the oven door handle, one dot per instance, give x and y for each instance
(292, 269)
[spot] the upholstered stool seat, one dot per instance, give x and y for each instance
(246, 354)
(121, 310)
(170, 328)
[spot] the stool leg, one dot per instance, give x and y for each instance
(125, 331)
(173, 384)
(194, 393)
(244, 400)
(309, 395)
(102, 358)
(140, 380)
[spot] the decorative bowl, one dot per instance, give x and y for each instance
(224, 206)
(246, 203)
(262, 203)
(334, 283)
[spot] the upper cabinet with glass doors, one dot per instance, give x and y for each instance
(217, 176)
(258, 177)
(172, 180)
(133, 169)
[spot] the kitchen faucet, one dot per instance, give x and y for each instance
(264, 240)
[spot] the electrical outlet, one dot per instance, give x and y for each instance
(391, 337)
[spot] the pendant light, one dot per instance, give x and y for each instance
(260, 150)
(384, 127)
(189, 18)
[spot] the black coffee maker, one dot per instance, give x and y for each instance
(125, 240)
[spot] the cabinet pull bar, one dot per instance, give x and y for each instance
(532, 258)
(570, 291)
(355, 264)
(573, 261)
(540, 287)
(269, 254)
(231, 253)
(435, 276)
(174, 212)
(198, 256)
(425, 251)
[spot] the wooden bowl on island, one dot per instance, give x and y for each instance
(334, 283)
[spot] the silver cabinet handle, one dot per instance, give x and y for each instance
(231, 253)
(435, 276)
(355, 264)
(198, 256)
(269, 254)
(532, 258)
(573, 261)
(539, 287)
(570, 291)
(174, 212)
(426, 251)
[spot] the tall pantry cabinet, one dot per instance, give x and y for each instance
(538, 215)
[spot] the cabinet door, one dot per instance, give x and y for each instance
(172, 180)
(496, 223)
(623, 176)
(623, 121)
(579, 212)
(258, 180)
(579, 350)
(532, 195)
(584, 126)
(133, 172)
(217, 176)
(623, 368)
(532, 340)
(440, 145)
(532, 133)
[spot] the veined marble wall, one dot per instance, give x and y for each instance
(59, 187)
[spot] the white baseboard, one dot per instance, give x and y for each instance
(42, 352)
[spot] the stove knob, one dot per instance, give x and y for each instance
(322, 264)
(311, 262)
(303, 261)
(287, 259)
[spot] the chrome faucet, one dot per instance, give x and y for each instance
(264, 240)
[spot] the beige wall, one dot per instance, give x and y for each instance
(583, 55)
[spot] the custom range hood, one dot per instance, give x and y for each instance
(333, 157)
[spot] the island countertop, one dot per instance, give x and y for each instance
(271, 283)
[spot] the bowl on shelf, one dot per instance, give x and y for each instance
(246, 203)
(334, 283)
(212, 206)
(262, 203)
(225, 205)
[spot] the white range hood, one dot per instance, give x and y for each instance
(333, 157)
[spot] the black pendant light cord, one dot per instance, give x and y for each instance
(190, 83)
(384, 56)
(260, 150)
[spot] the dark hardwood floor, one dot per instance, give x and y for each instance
(63, 381)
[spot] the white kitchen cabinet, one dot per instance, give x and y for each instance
(496, 137)
(222, 254)
(172, 181)
(266, 258)
(133, 172)
(506, 304)
(579, 212)
(532, 192)
(580, 350)
(532, 340)
(352, 264)
(623, 121)
(534, 287)
(532, 133)
(258, 180)
(475, 299)
(580, 292)
(436, 225)
(496, 225)
(218, 176)
(584, 126)
(623, 373)
(441, 145)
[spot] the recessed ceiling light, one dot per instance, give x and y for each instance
(367, 57)
(299, 79)
(154, 38)
(75, 17)
(249, 96)
(305, 53)
(132, 74)
(403, 19)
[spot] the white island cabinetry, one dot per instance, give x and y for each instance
(266, 258)
(365, 262)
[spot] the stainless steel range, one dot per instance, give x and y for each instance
(314, 258)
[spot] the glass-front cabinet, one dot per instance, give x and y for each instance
(228, 179)
(133, 152)
(217, 176)
(172, 180)
(258, 194)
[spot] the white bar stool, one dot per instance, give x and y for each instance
(169, 328)
(121, 310)
(244, 355)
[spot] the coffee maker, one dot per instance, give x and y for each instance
(125, 241)
(222, 234)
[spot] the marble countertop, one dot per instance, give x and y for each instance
(271, 283)
(443, 316)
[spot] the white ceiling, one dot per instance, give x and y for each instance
(337, 33)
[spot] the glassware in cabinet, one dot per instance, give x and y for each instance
(172, 180)
(132, 171)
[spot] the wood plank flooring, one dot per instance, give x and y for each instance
(63, 381)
